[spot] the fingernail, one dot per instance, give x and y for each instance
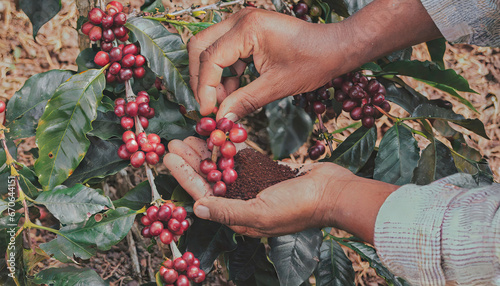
(231, 116)
(202, 212)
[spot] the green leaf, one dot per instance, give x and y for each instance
(428, 110)
(100, 161)
(29, 182)
(356, 149)
(194, 27)
(436, 49)
(435, 163)
(83, 242)
(27, 105)
(402, 94)
(168, 122)
(61, 133)
(369, 254)
(334, 268)
(453, 93)
(241, 262)
(40, 12)
(106, 125)
(167, 57)
(429, 72)
(3, 206)
(295, 256)
(289, 127)
(140, 196)
(153, 6)
(69, 276)
(85, 60)
(397, 156)
(371, 66)
(75, 204)
(207, 240)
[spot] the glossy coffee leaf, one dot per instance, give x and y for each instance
(295, 256)
(356, 149)
(84, 241)
(69, 276)
(436, 162)
(75, 204)
(334, 268)
(289, 127)
(241, 262)
(167, 57)
(436, 49)
(106, 125)
(28, 104)
(153, 6)
(40, 12)
(397, 156)
(207, 240)
(371, 66)
(29, 182)
(61, 133)
(168, 122)
(431, 111)
(369, 254)
(402, 94)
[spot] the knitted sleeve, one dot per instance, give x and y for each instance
(474, 22)
(445, 232)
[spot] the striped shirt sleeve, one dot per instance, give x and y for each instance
(445, 233)
(474, 22)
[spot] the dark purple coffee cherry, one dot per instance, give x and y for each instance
(378, 99)
(368, 110)
(340, 96)
(357, 113)
(373, 87)
(368, 121)
(386, 106)
(349, 104)
(300, 9)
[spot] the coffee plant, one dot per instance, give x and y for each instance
(131, 96)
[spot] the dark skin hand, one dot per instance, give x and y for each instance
(292, 56)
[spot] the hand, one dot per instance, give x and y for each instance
(288, 207)
(291, 55)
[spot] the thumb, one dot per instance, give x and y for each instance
(230, 212)
(249, 98)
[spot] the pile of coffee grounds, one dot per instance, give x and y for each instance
(256, 172)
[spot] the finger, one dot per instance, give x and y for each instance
(230, 212)
(221, 92)
(230, 84)
(187, 177)
(222, 53)
(199, 145)
(186, 152)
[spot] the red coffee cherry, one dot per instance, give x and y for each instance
(218, 137)
(95, 16)
(144, 122)
(207, 165)
(340, 96)
(140, 60)
(101, 58)
(179, 213)
(196, 262)
(115, 54)
(180, 264)
(139, 72)
(201, 131)
(95, 34)
(86, 27)
(189, 257)
(166, 236)
(184, 225)
(146, 232)
(378, 99)
(128, 60)
(132, 145)
(132, 108)
(124, 38)
(142, 138)
(229, 176)
(137, 159)
(146, 221)
(207, 124)
(151, 113)
(349, 104)
(201, 276)
(107, 22)
(125, 74)
(108, 36)
(127, 135)
(385, 106)
(225, 124)
(120, 110)
(160, 149)
(116, 5)
(368, 121)
(228, 150)
(152, 213)
(174, 225)
(162, 271)
(142, 98)
(120, 101)
(182, 280)
(115, 68)
(147, 147)
(130, 49)
(127, 122)
(154, 138)
(164, 213)
(300, 9)
(155, 228)
(357, 113)
(152, 158)
(170, 276)
(224, 163)
(319, 107)
(123, 153)
(214, 176)
(120, 31)
(120, 19)
(219, 189)
(238, 135)
(192, 272)
(144, 109)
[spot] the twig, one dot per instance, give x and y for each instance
(136, 268)
(324, 130)
(154, 192)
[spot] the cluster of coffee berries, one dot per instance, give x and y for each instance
(359, 96)
(126, 62)
(168, 222)
(303, 12)
(140, 108)
(181, 270)
(106, 26)
(315, 101)
(222, 136)
(317, 150)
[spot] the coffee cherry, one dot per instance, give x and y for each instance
(182, 280)
(228, 150)
(174, 225)
(340, 96)
(319, 107)
(180, 264)
(120, 101)
(357, 113)
(142, 98)
(184, 225)
(144, 109)
(385, 106)
(124, 38)
(112, 12)
(201, 276)
(323, 93)
(164, 213)
(108, 35)
(315, 153)
(156, 228)
(219, 189)
(224, 163)
(378, 99)
(130, 49)
(95, 34)
(142, 138)
(154, 138)
(139, 72)
(229, 176)
(152, 213)
(145, 232)
(356, 92)
(132, 108)
(306, 18)
(147, 147)
(160, 149)
(140, 60)
(192, 272)
(120, 110)
(170, 276)
(162, 270)
(115, 68)
(86, 27)
(123, 153)
(95, 16)
(132, 145)
(144, 122)
(127, 122)
(346, 86)
(120, 19)
(224, 124)
(207, 165)
(152, 158)
(120, 31)
(207, 124)
(214, 176)
(315, 11)
(373, 87)
(382, 90)
(128, 60)
(300, 9)
(137, 159)
(166, 236)
(146, 221)
(159, 87)
(368, 121)
(179, 213)
(210, 145)
(368, 110)
(238, 135)
(349, 104)
(125, 74)
(201, 131)
(116, 5)
(168, 263)
(101, 58)
(218, 137)
(115, 54)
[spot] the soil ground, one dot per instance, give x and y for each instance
(56, 47)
